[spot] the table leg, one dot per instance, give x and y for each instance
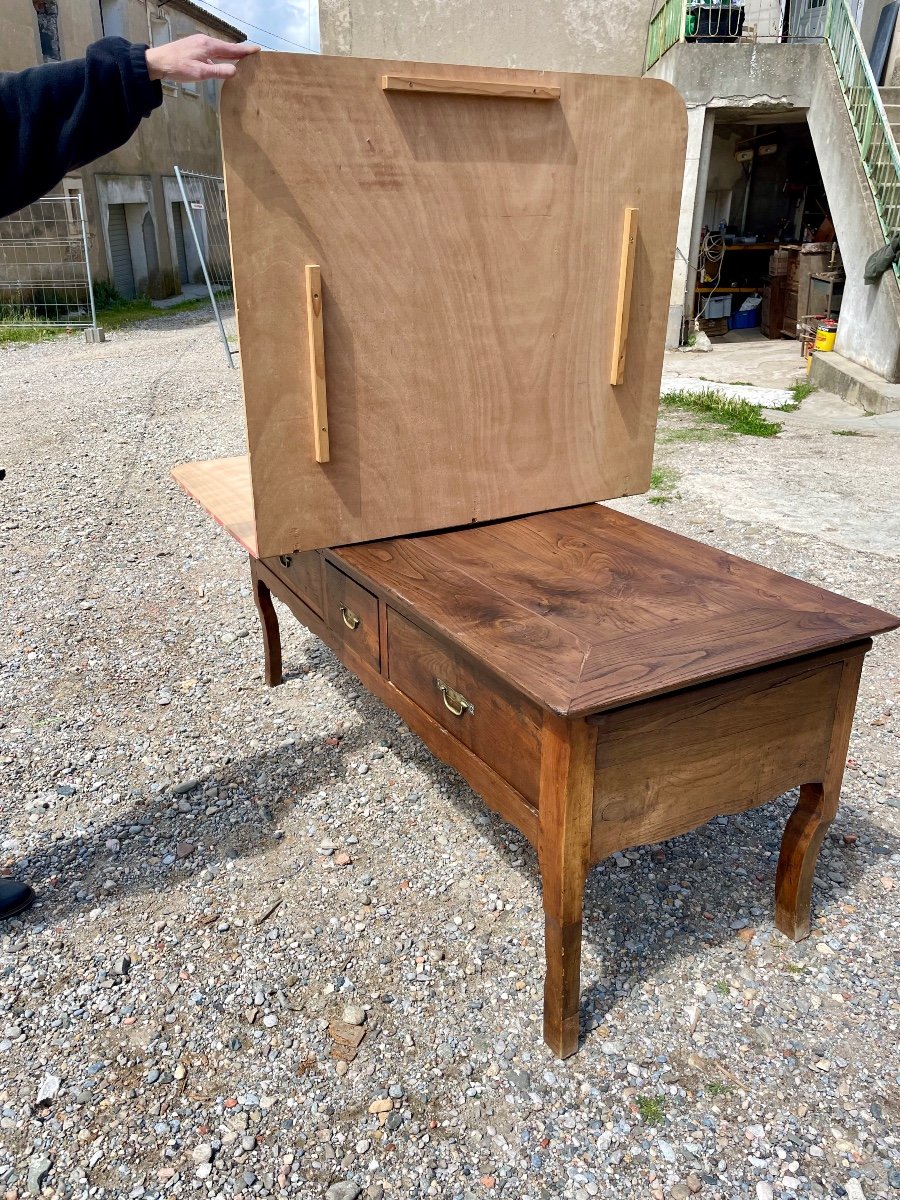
(808, 823)
(268, 619)
(565, 803)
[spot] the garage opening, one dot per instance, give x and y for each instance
(769, 263)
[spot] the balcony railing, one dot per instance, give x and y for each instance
(877, 148)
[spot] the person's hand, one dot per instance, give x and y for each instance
(197, 57)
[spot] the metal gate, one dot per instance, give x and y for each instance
(45, 274)
(207, 218)
(120, 252)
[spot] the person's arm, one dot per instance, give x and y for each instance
(60, 116)
(57, 117)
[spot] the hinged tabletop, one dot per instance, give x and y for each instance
(452, 286)
(587, 609)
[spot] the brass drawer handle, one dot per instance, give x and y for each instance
(351, 620)
(454, 701)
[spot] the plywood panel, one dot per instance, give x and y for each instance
(222, 487)
(469, 248)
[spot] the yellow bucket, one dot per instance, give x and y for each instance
(825, 335)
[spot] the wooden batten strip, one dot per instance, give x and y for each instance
(470, 87)
(316, 332)
(623, 296)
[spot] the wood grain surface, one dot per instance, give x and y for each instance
(222, 487)
(470, 258)
(586, 609)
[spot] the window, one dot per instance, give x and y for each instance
(161, 35)
(112, 17)
(47, 13)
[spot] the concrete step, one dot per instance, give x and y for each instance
(855, 384)
(890, 95)
(895, 130)
(893, 113)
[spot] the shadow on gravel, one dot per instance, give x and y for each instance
(709, 887)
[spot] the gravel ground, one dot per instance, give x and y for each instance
(238, 884)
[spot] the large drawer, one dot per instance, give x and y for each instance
(497, 724)
(303, 575)
(351, 613)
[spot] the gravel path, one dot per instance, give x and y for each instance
(237, 884)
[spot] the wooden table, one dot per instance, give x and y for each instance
(601, 682)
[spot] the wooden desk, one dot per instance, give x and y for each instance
(602, 683)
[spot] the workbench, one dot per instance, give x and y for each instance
(452, 290)
(600, 682)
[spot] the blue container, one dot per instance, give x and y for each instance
(744, 320)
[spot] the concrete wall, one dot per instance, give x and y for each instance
(567, 35)
(869, 328)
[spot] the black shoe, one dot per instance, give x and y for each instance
(15, 897)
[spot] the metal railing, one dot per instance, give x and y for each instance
(203, 197)
(667, 28)
(877, 148)
(45, 272)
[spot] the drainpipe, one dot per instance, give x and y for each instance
(709, 121)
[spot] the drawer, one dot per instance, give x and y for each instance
(303, 575)
(351, 613)
(500, 726)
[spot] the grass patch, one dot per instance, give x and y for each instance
(799, 390)
(662, 485)
(112, 315)
(651, 1108)
(717, 1089)
(846, 433)
(124, 312)
(742, 383)
(738, 416)
(723, 988)
(694, 433)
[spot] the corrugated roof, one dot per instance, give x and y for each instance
(208, 18)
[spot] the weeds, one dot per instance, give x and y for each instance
(113, 314)
(651, 1108)
(738, 416)
(846, 433)
(799, 390)
(662, 482)
(717, 1089)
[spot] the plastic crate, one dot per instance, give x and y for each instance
(744, 320)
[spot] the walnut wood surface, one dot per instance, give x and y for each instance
(502, 728)
(469, 252)
(351, 613)
(675, 762)
(492, 788)
(586, 609)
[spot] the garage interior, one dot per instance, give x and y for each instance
(769, 264)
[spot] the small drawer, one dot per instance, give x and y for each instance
(497, 724)
(303, 575)
(352, 614)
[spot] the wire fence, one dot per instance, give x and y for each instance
(203, 199)
(45, 274)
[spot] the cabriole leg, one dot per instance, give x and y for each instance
(808, 823)
(268, 619)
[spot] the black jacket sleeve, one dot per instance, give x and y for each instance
(60, 116)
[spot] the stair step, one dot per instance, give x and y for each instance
(893, 113)
(890, 95)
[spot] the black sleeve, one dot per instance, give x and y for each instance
(60, 116)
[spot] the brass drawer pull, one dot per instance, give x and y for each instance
(351, 620)
(454, 701)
